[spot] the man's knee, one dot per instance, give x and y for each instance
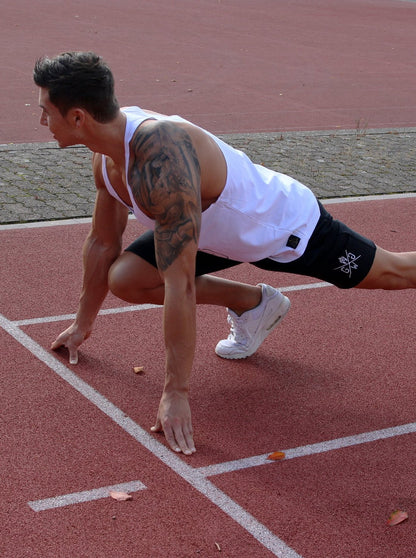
(133, 279)
(118, 277)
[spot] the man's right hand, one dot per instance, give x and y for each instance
(71, 338)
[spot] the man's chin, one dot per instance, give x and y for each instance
(60, 144)
(63, 144)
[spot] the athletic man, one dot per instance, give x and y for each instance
(208, 207)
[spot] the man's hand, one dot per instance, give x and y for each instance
(71, 338)
(174, 418)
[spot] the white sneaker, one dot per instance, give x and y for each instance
(249, 330)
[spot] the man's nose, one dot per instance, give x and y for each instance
(43, 120)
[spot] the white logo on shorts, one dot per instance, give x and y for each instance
(348, 263)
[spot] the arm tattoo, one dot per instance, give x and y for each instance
(164, 175)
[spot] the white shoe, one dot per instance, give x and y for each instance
(249, 330)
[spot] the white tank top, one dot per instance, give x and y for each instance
(259, 214)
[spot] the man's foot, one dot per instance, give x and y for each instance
(249, 330)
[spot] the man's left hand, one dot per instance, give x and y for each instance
(174, 418)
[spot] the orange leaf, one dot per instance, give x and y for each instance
(120, 496)
(138, 369)
(277, 455)
(397, 517)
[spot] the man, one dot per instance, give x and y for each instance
(208, 207)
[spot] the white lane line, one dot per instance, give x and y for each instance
(304, 287)
(311, 449)
(46, 224)
(191, 475)
(104, 312)
(373, 197)
(54, 223)
(84, 496)
(140, 307)
(87, 220)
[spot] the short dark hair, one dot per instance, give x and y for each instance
(78, 79)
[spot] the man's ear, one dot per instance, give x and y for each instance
(76, 117)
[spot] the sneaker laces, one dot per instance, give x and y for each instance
(237, 332)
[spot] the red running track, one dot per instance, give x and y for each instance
(333, 388)
(227, 65)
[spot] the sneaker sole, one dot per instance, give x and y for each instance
(241, 356)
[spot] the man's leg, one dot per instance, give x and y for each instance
(391, 271)
(254, 311)
(134, 280)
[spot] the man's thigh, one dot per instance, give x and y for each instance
(144, 247)
(335, 253)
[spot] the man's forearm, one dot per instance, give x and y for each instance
(174, 414)
(180, 338)
(97, 260)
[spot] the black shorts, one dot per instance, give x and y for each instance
(334, 253)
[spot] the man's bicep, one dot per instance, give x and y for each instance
(179, 276)
(178, 242)
(165, 180)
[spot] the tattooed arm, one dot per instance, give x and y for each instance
(165, 178)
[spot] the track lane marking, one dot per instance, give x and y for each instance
(197, 477)
(310, 449)
(191, 475)
(66, 317)
(84, 496)
(141, 307)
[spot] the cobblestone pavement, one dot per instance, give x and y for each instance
(41, 182)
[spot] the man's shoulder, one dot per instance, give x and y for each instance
(96, 162)
(154, 136)
(97, 170)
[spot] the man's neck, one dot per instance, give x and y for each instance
(108, 139)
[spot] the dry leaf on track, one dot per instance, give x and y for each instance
(120, 496)
(397, 517)
(276, 455)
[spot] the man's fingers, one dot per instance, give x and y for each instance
(73, 351)
(174, 419)
(157, 427)
(73, 355)
(185, 438)
(180, 441)
(189, 443)
(170, 438)
(56, 344)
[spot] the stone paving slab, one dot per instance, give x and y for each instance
(39, 181)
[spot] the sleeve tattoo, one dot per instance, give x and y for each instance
(164, 175)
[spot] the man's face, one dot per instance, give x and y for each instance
(59, 126)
